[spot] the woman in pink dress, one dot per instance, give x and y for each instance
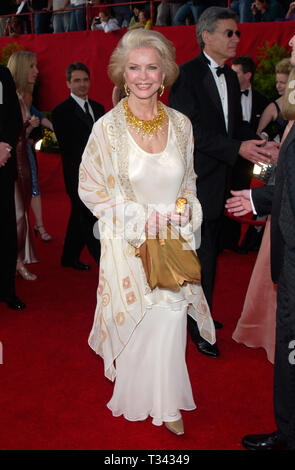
(256, 326)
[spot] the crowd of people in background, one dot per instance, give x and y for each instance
(70, 15)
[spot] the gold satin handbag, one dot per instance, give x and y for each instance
(169, 263)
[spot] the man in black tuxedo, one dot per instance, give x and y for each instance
(279, 200)
(10, 127)
(208, 92)
(253, 104)
(72, 121)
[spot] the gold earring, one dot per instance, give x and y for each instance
(161, 89)
(126, 89)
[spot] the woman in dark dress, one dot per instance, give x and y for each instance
(23, 67)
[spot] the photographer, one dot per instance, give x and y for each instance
(266, 10)
(105, 22)
(290, 15)
(10, 7)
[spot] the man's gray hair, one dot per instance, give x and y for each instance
(209, 18)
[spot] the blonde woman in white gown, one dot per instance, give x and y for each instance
(138, 161)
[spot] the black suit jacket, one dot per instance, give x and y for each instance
(243, 170)
(259, 103)
(10, 122)
(72, 130)
(279, 200)
(216, 150)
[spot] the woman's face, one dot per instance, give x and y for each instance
(260, 4)
(141, 16)
(103, 17)
(143, 72)
(33, 72)
(281, 82)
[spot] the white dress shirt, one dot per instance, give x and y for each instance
(81, 103)
(107, 26)
(246, 102)
(221, 86)
(76, 3)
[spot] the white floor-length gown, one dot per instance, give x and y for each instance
(152, 377)
(141, 334)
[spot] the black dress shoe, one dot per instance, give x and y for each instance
(77, 265)
(264, 442)
(217, 325)
(206, 348)
(14, 303)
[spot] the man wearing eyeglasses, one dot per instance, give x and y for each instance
(253, 104)
(208, 92)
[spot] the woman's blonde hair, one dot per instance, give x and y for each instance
(138, 39)
(284, 66)
(19, 65)
(288, 106)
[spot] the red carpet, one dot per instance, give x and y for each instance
(53, 392)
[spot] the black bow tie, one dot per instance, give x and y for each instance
(245, 92)
(219, 70)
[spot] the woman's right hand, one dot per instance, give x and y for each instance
(180, 219)
(5, 154)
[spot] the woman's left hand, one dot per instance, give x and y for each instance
(34, 121)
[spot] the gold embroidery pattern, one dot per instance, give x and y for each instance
(92, 146)
(105, 300)
(130, 298)
(111, 181)
(119, 144)
(82, 175)
(103, 336)
(102, 193)
(110, 129)
(178, 122)
(129, 250)
(116, 270)
(126, 283)
(120, 318)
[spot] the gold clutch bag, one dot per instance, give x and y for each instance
(169, 263)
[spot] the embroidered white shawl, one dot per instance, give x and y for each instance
(105, 188)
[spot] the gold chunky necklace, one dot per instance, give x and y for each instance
(145, 127)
